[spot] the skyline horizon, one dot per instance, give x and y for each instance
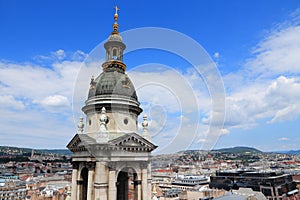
(251, 147)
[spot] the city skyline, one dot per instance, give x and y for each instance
(254, 45)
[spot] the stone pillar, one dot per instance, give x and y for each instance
(139, 185)
(91, 168)
(74, 181)
(145, 193)
(149, 181)
(101, 181)
(112, 189)
(78, 184)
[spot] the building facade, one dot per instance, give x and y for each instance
(110, 159)
(12, 189)
(274, 185)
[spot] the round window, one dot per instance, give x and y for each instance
(125, 121)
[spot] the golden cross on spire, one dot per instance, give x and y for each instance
(116, 25)
(117, 9)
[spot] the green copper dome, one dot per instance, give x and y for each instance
(113, 83)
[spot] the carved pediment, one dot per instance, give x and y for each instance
(126, 142)
(74, 142)
(133, 142)
(79, 142)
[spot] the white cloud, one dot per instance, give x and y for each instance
(216, 55)
(168, 89)
(34, 100)
(60, 54)
(33, 82)
(184, 119)
(283, 139)
(79, 56)
(174, 102)
(267, 88)
(279, 51)
(55, 101)
(276, 100)
(33, 128)
(224, 131)
(173, 90)
(201, 140)
(8, 102)
(284, 94)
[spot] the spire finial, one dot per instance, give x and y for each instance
(117, 9)
(116, 25)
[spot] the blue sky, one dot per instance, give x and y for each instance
(255, 45)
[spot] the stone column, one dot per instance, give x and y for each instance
(74, 181)
(101, 180)
(78, 184)
(91, 168)
(112, 189)
(149, 181)
(145, 193)
(139, 185)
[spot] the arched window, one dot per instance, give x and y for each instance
(127, 184)
(114, 57)
(84, 183)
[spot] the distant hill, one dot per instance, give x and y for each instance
(54, 151)
(239, 150)
(39, 151)
(191, 151)
(226, 150)
(294, 152)
(9, 148)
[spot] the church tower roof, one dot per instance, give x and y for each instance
(113, 82)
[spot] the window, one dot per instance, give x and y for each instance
(114, 57)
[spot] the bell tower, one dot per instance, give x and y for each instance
(110, 159)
